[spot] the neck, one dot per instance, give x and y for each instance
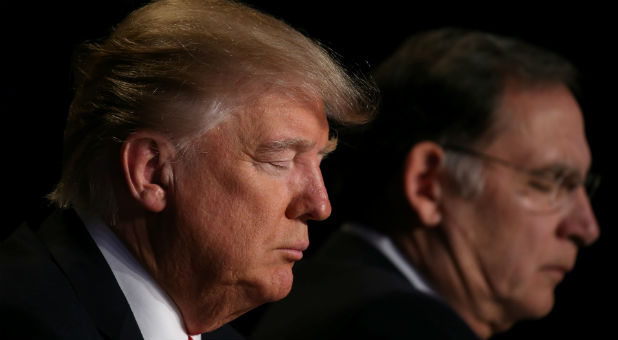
(204, 304)
(455, 276)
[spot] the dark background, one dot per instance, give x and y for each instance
(38, 39)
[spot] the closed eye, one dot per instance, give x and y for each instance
(541, 184)
(281, 164)
(557, 176)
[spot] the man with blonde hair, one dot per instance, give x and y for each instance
(191, 167)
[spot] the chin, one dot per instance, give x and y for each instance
(282, 281)
(273, 286)
(537, 305)
(544, 309)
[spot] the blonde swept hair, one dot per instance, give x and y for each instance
(179, 67)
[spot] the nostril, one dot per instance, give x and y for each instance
(579, 242)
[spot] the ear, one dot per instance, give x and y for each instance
(146, 164)
(422, 181)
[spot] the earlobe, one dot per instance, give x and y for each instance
(146, 160)
(422, 181)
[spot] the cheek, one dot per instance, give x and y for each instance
(514, 258)
(510, 245)
(237, 219)
(242, 230)
(503, 238)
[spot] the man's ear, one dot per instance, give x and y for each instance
(422, 181)
(146, 164)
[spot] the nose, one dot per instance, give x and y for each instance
(311, 201)
(580, 225)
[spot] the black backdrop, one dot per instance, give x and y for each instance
(38, 39)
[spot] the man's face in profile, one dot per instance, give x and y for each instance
(522, 232)
(244, 202)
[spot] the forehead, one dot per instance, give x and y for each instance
(541, 125)
(278, 117)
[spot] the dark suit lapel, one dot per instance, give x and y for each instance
(82, 263)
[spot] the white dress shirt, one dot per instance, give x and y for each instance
(155, 313)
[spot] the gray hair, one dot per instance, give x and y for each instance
(465, 173)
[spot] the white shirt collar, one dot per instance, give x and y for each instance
(386, 246)
(155, 313)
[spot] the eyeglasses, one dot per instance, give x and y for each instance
(545, 190)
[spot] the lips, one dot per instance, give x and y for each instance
(294, 251)
(558, 270)
(561, 266)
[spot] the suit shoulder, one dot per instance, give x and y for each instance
(36, 299)
(410, 316)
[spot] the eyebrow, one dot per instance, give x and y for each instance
(560, 169)
(298, 144)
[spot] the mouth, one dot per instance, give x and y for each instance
(559, 271)
(294, 252)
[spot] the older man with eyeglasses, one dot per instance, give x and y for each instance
(476, 209)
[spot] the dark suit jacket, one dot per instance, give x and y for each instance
(350, 290)
(56, 284)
